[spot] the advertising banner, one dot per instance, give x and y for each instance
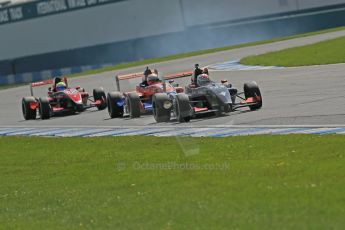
(46, 7)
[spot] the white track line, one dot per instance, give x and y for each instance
(166, 132)
(185, 126)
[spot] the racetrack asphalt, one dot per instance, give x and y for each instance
(298, 96)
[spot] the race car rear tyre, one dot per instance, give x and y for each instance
(133, 102)
(115, 105)
(183, 108)
(160, 113)
(252, 90)
(44, 108)
(99, 94)
(28, 113)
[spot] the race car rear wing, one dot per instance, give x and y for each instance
(119, 78)
(178, 75)
(45, 82)
(39, 83)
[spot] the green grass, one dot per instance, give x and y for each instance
(322, 53)
(254, 182)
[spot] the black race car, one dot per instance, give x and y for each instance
(205, 96)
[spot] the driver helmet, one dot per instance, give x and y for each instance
(205, 71)
(60, 86)
(203, 79)
(152, 79)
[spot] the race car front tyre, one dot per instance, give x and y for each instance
(227, 108)
(44, 108)
(99, 94)
(115, 104)
(252, 90)
(133, 102)
(182, 108)
(28, 112)
(162, 106)
(233, 94)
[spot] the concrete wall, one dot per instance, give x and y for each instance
(131, 30)
(304, 4)
(199, 12)
(89, 27)
(131, 19)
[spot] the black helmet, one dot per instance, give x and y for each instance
(147, 71)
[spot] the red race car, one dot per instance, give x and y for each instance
(135, 102)
(61, 100)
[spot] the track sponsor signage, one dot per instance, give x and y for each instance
(46, 7)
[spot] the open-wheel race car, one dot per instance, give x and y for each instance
(205, 96)
(61, 100)
(141, 100)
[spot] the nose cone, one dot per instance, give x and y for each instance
(75, 96)
(222, 93)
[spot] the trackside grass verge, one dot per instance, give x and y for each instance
(253, 182)
(322, 53)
